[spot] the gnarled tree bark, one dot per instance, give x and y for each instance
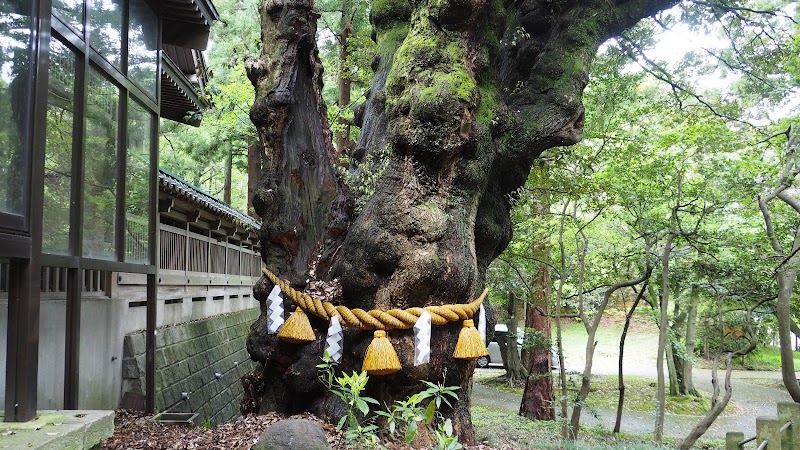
(465, 96)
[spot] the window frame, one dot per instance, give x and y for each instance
(129, 91)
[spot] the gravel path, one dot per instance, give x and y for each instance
(752, 401)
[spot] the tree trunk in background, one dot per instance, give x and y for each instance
(687, 382)
(674, 338)
(786, 272)
(620, 379)
(663, 324)
(465, 96)
(228, 176)
(515, 371)
(253, 172)
(672, 373)
(537, 399)
(718, 404)
(343, 142)
(786, 281)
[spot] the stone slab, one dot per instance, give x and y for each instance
(64, 430)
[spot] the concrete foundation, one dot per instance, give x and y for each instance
(202, 359)
(63, 430)
(106, 317)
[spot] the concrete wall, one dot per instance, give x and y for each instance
(204, 358)
(106, 317)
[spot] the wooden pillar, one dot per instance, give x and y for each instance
(767, 430)
(732, 439)
(791, 436)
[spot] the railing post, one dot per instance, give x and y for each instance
(790, 411)
(732, 439)
(767, 430)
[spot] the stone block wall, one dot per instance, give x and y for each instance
(204, 358)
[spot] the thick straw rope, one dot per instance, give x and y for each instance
(376, 319)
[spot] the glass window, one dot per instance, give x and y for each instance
(58, 151)
(100, 167)
(137, 184)
(143, 46)
(71, 11)
(15, 77)
(105, 29)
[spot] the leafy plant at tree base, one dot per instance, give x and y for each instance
(403, 415)
(410, 412)
(444, 437)
(349, 388)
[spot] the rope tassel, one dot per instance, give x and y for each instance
(297, 328)
(470, 345)
(381, 358)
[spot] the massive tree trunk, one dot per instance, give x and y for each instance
(465, 96)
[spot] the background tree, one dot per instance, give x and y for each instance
(214, 157)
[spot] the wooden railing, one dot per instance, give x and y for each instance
(180, 251)
(772, 433)
(186, 251)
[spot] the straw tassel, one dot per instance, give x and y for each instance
(381, 359)
(297, 328)
(470, 345)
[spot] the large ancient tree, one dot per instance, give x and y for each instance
(466, 95)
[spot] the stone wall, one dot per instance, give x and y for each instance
(204, 358)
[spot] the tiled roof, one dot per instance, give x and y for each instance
(184, 190)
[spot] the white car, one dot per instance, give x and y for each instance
(495, 358)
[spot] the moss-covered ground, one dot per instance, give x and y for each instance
(497, 428)
(640, 394)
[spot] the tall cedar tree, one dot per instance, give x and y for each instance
(465, 96)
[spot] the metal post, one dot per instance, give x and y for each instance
(23, 342)
(72, 339)
(790, 411)
(150, 344)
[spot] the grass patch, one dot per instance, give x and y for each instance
(498, 428)
(763, 358)
(640, 395)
